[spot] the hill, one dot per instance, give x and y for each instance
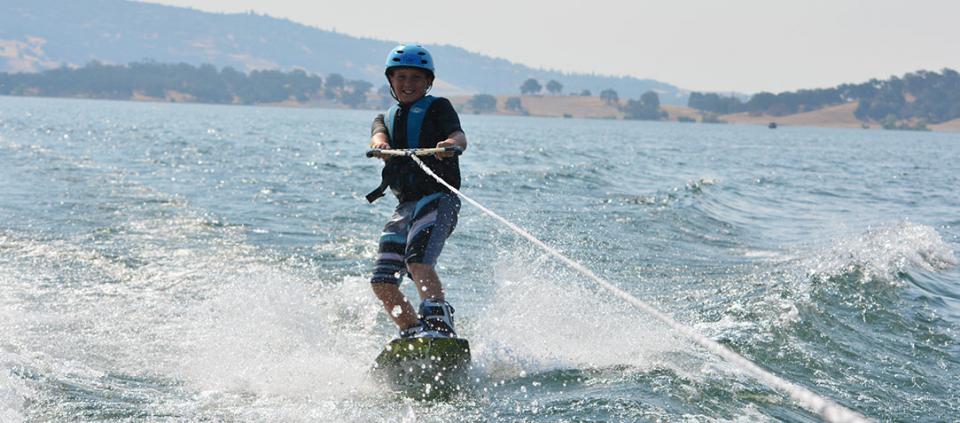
(948, 126)
(591, 107)
(839, 116)
(912, 102)
(44, 34)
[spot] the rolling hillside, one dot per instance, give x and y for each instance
(43, 34)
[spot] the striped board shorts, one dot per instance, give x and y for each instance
(415, 234)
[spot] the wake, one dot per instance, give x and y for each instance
(825, 407)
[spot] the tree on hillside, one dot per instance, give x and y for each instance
(609, 96)
(554, 87)
(334, 86)
(202, 84)
(647, 108)
(206, 85)
(714, 103)
(530, 86)
(854, 92)
(266, 86)
(888, 102)
(302, 85)
(483, 103)
(935, 98)
(586, 93)
(650, 99)
(356, 96)
(360, 86)
(386, 99)
(335, 81)
(761, 101)
(515, 104)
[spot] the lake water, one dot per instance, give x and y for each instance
(164, 262)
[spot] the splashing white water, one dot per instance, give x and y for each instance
(540, 322)
(882, 252)
(12, 395)
(876, 256)
(824, 407)
(269, 334)
(228, 325)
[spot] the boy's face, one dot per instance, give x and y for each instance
(410, 84)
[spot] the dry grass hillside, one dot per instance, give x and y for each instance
(675, 112)
(948, 126)
(589, 107)
(839, 116)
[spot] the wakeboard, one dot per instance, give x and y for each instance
(425, 368)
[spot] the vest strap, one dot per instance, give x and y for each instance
(380, 191)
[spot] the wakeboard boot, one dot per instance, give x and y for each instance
(436, 316)
(415, 331)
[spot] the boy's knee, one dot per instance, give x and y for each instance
(417, 269)
(385, 290)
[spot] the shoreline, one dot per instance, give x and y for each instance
(563, 106)
(581, 107)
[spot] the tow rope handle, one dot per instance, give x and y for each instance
(391, 152)
(384, 152)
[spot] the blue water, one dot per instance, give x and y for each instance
(165, 262)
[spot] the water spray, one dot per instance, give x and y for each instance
(828, 409)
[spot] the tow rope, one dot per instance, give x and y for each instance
(825, 407)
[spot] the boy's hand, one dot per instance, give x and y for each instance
(449, 142)
(379, 141)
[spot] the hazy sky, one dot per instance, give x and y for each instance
(712, 45)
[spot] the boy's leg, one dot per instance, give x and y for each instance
(427, 281)
(434, 219)
(390, 267)
(396, 304)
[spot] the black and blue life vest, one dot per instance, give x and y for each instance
(401, 174)
(415, 115)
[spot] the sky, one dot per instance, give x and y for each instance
(744, 46)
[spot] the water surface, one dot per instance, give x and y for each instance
(165, 262)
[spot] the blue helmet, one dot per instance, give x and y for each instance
(409, 56)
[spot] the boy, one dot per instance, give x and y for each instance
(412, 240)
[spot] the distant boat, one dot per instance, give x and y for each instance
(772, 125)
